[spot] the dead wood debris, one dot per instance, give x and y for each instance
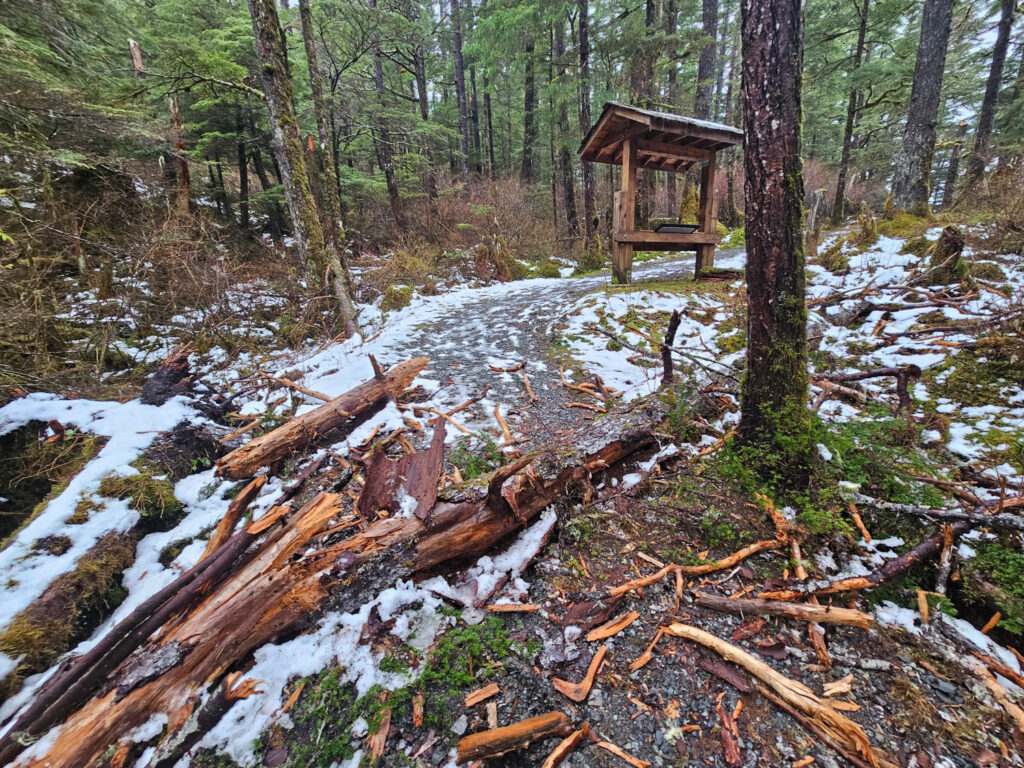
(496, 742)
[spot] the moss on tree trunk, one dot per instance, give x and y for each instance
(775, 421)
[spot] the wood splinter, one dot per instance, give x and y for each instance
(565, 746)
(578, 691)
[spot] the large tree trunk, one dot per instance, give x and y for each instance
(529, 103)
(706, 62)
(911, 182)
(589, 208)
(489, 127)
(716, 113)
(330, 201)
(980, 156)
(774, 415)
(572, 220)
(385, 152)
(839, 204)
(460, 92)
(420, 65)
(284, 123)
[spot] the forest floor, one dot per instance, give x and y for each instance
(689, 500)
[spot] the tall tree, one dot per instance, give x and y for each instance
(775, 419)
(986, 117)
(730, 214)
(565, 170)
(839, 204)
(583, 21)
(529, 105)
(385, 151)
(706, 62)
(952, 173)
(329, 189)
(460, 90)
(314, 248)
(911, 183)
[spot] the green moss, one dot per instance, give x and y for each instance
(917, 246)
(549, 269)
(70, 608)
(988, 271)
(475, 455)
(903, 224)
(591, 260)
(996, 575)
(736, 238)
(149, 495)
(396, 297)
(833, 258)
(83, 510)
(54, 544)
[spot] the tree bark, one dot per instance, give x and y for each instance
(330, 200)
(775, 420)
(589, 208)
(911, 183)
(277, 87)
(182, 195)
(460, 91)
(839, 204)
(731, 215)
(706, 62)
(565, 169)
(243, 178)
(529, 103)
(343, 410)
(489, 127)
(986, 117)
(474, 117)
(385, 152)
(952, 173)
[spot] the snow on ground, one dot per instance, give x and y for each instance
(130, 428)
(462, 332)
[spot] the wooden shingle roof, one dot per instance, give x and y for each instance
(665, 141)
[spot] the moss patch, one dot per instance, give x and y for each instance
(396, 297)
(150, 495)
(68, 611)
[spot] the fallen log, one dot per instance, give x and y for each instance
(344, 411)
(823, 614)
(500, 741)
(236, 509)
(793, 692)
(264, 599)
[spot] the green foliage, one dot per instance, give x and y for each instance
(996, 576)
(736, 238)
(396, 297)
(475, 455)
(549, 269)
(150, 495)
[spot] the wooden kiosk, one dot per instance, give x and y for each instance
(643, 138)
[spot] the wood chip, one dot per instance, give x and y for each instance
(646, 656)
(844, 685)
(565, 746)
(578, 691)
(990, 625)
(613, 627)
(482, 694)
(636, 762)
(803, 762)
(417, 710)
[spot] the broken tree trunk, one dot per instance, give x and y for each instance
(281, 584)
(344, 411)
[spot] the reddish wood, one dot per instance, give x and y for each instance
(501, 741)
(343, 412)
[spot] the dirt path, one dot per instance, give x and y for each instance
(465, 331)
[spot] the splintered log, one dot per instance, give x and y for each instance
(823, 614)
(236, 509)
(343, 412)
(501, 741)
(253, 591)
(410, 480)
(795, 693)
(256, 605)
